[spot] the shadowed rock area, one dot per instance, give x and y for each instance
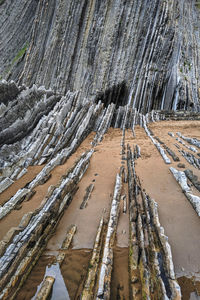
(94, 46)
(99, 149)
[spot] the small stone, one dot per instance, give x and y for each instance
(180, 165)
(134, 279)
(18, 207)
(45, 179)
(25, 220)
(120, 287)
(123, 231)
(171, 134)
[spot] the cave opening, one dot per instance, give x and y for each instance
(117, 94)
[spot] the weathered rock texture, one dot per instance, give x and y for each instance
(72, 67)
(141, 52)
(29, 239)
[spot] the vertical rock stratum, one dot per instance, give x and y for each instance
(99, 149)
(144, 51)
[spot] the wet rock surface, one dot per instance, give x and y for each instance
(100, 103)
(151, 269)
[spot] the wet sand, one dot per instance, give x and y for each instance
(190, 288)
(177, 216)
(14, 217)
(104, 165)
(180, 221)
(120, 275)
(32, 172)
(73, 271)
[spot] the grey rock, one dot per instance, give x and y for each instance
(193, 178)
(5, 183)
(180, 165)
(126, 50)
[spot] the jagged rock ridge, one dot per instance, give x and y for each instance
(150, 49)
(43, 129)
(74, 69)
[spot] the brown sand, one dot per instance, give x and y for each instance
(14, 218)
(177, 216)
(120, 275)
(105, 163)
(189, 287)
(73, 269)
(20, 183)
(34, 279)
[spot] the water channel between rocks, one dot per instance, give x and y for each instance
(177, 216)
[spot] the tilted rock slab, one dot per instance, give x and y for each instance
(27, 244)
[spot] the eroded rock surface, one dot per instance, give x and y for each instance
(100, 102)
(146, 52)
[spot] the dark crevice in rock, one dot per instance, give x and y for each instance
(94, 46)
(117, 94)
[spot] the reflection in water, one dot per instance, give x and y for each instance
(69, 278)
(59, 288)
(194, 296)
(190, 288)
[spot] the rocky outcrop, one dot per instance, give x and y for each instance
(38, 126)
(136, 52)
(28, 241)
(57, 134)
(181, 178)
(150, 258)
(23, 113)
(16, 23)
(73, 67)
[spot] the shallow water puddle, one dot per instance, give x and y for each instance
(120, 275)
(190, 288)
(35, 278)
(74, 270)
(194, 296)
(59, 290)
(69, 278)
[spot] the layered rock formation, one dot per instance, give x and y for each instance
(136, 52)
(71, 70)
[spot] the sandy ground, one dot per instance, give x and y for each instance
(177, 216)
(20, 183)
(13, 219)
(190, 288)
(104, 165)
(120, 277)
(73, 270)
(30, 287)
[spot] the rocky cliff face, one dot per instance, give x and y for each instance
(145, 53)
(73, 69)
